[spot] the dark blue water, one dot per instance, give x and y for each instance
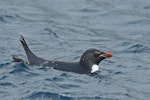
(63, 30)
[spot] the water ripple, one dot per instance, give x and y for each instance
(19, 68)
(47, 96)
(7, 84)
(137, 48)
(6, 18)
(49, 32)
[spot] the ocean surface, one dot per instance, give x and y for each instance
(62, 30)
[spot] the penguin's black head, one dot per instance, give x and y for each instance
(93, 57)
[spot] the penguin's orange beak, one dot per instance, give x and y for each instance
(107, 54)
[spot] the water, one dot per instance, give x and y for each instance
(63, 30)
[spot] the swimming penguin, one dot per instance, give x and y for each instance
(88, 63)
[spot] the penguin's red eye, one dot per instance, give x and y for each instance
(97, 54)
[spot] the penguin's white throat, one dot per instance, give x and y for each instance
(94, 68)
